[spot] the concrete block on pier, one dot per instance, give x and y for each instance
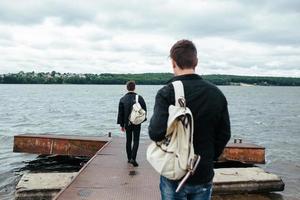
(36, 186)
(245, 180)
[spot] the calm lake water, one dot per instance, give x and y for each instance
(268, 116)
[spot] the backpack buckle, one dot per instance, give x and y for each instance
(182, 102)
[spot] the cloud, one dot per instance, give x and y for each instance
(232, 37)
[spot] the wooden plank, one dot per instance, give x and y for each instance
(58, 144)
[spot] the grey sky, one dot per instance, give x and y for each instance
(233, 37)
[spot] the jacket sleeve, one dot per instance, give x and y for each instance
(121, 114)
(158, 123)
(223, 132)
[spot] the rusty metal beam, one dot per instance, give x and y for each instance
(243, 152)
(58, 144)
(88, 146)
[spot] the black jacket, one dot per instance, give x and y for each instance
(211, 121)
(125, 107)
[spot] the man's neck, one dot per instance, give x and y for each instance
(185, 72)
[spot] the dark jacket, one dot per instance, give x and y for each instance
(125, 107)
(211, 121)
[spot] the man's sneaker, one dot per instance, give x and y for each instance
(134, 163)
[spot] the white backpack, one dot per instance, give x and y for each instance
(138, 114)
(174, 157)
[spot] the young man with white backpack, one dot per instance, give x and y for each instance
(131, 114)
(190, 127)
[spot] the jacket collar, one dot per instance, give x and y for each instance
(130, 92)
(185, 77)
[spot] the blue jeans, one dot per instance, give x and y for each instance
(187, 192)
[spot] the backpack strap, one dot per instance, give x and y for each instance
(136, 98)
(179, 91)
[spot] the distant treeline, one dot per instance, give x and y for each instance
(145, 79)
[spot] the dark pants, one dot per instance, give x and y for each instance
(132, 130)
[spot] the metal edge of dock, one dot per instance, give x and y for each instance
(74, 145)
(46, 144)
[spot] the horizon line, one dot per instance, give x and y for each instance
(146, 73)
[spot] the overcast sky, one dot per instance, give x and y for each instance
(134, 36)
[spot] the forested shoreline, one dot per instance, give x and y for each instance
(143, 79)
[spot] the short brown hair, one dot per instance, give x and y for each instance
(130, 85)
(184, 53)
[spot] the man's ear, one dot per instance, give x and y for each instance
(196, 64)
(174, 64)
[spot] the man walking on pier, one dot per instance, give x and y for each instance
(132, 112)
(211, 122)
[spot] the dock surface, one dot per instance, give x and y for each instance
(108, 176)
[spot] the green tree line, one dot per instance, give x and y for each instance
(145, 79)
